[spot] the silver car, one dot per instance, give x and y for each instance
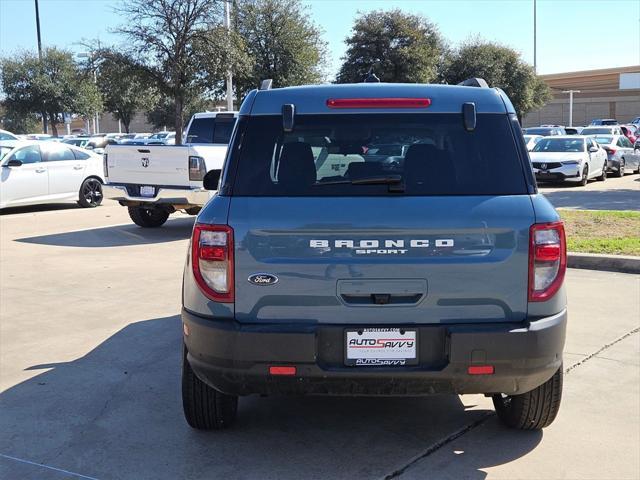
(621, 155)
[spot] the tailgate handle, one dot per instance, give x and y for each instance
(382, 292)
(144, 150)
(382, 299)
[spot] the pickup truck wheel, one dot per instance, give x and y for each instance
(204, 407)
(90, 193)
(533, 410)
(148, 217)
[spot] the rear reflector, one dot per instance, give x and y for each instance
(480, 370)
(378, 102)
(282, 370)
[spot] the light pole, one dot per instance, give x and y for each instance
(535, 42)
(571, 92)
(44, 114)
(227, 24)
(96, 118)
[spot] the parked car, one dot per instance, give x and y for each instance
(636, 121)
(155, 181)
(621, 155)
(99, 142)
(574, 158)
(630, 131)
(545, 131)
(604, 121)
(7, 136)
(440, 276)
(573, 130)
(531, 140)
(77, 141)
(34, 172)
(162, 138)
(604, 130)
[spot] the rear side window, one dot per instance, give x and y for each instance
(211, 130)
(80, 155)
(376, 154)
(57, 153)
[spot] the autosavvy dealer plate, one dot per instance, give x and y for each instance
(381, 347)
(147, 191)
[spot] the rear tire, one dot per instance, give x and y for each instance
(204, 407)
(533, 410)
(148, 217)
(90, 194)
(620, 172)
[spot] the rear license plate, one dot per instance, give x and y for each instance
(381, 346)
(146, 191)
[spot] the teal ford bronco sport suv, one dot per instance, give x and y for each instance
(375, 239)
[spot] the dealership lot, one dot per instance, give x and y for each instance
(90, 369)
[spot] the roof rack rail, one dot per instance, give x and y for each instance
(266, 84)
(474, 82)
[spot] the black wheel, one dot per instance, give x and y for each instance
(585, 177)
(620, 172)
(90, 193)
(148, 217)
(533, 410)
(603, 175)
(204, 407)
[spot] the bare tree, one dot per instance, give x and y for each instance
(173, 44)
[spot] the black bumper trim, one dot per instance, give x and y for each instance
(235, 358)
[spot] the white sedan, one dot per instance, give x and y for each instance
(531, 140)
(573, 158)
(33, 172)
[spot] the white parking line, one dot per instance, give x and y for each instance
(47, 466)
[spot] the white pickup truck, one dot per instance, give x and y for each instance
(153, 181)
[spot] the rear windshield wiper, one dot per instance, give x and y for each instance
(395, 182)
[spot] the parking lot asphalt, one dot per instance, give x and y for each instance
(613, 194)
(90, 371)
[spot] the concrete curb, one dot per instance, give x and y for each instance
(609, 263)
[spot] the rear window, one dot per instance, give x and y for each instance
(376, 154)
(211, 130)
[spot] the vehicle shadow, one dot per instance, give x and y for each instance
(118, 235)
(624, 199)
(39, 208)
(116, 413)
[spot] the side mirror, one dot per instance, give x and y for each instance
(14, 163)
(593, 149)
(211, 180)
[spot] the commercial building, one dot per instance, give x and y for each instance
(605, 93)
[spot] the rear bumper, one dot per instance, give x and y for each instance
(235, 358)
(163, 195)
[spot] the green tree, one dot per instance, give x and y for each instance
(501, 67)
(17, 122)
(175, 45)
(53, 86)
(397, 46)
(123, 86)
(162, 112)
(282, 43)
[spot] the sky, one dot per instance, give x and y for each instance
(572, 34)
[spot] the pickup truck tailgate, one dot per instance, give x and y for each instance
(149, 165)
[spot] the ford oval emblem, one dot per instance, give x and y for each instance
(263, 279)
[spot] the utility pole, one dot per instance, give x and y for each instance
(44, 114)
(227, 24)
(571, 92)
(535, 40)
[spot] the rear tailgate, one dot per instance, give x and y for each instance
(442, 260)
(148, 165)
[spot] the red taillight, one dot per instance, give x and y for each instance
(610, 150)
(282, 370)
(547, 260)
(378, 102)
(480, 370)
(212, 261)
